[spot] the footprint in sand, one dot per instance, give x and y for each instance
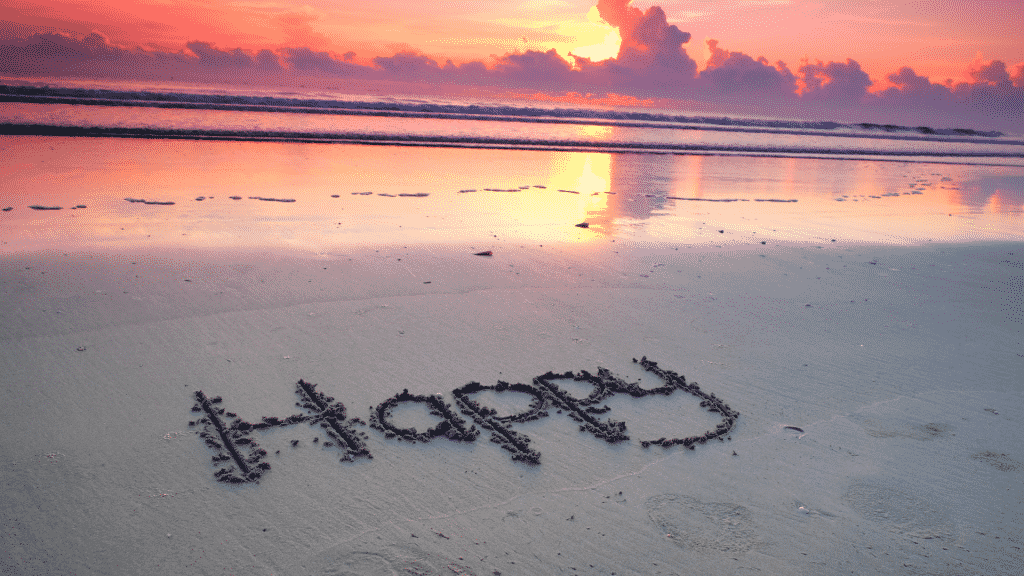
(386, 561)
(704, 526)
(896, 429)
(900, 511)
(998, 461)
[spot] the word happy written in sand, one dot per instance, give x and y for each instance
(242, 460)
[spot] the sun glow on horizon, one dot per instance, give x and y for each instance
(599, 40)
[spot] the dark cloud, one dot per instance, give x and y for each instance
(267, 60)
(53, 54)
(211, 57)
(907, 81)
(410, 66)
(993, 73)
(308, 62)
(735, 73)
(835, 84)
(911, 88)
(49, 54)
(535, 68)
(992, 99)
(474, 72)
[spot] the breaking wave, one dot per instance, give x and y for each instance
(483, 125)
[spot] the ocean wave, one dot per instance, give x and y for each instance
(16, 129)
(491, 112)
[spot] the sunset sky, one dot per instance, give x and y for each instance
(853, 48)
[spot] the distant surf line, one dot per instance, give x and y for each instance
(16, 129)
(465, 111)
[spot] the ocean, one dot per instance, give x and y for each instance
(642, 173)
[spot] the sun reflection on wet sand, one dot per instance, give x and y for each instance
(350, 194)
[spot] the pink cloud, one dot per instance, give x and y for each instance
(648, 40)
(993, 73)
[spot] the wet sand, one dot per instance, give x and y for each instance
(225, 387)
(877, 392)
(152, 194)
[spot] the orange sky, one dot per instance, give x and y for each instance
(938, 39)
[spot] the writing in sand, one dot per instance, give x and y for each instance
(240, 459)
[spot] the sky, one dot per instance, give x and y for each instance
(877, 58)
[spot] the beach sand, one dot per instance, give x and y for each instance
(878, 383)
(900, 366)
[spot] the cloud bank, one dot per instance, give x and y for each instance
(652, 63)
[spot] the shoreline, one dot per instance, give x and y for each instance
(501, 144)
(330, 198)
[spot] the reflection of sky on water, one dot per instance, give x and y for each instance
(862, 200)
(534, 197)
(1001, 193)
